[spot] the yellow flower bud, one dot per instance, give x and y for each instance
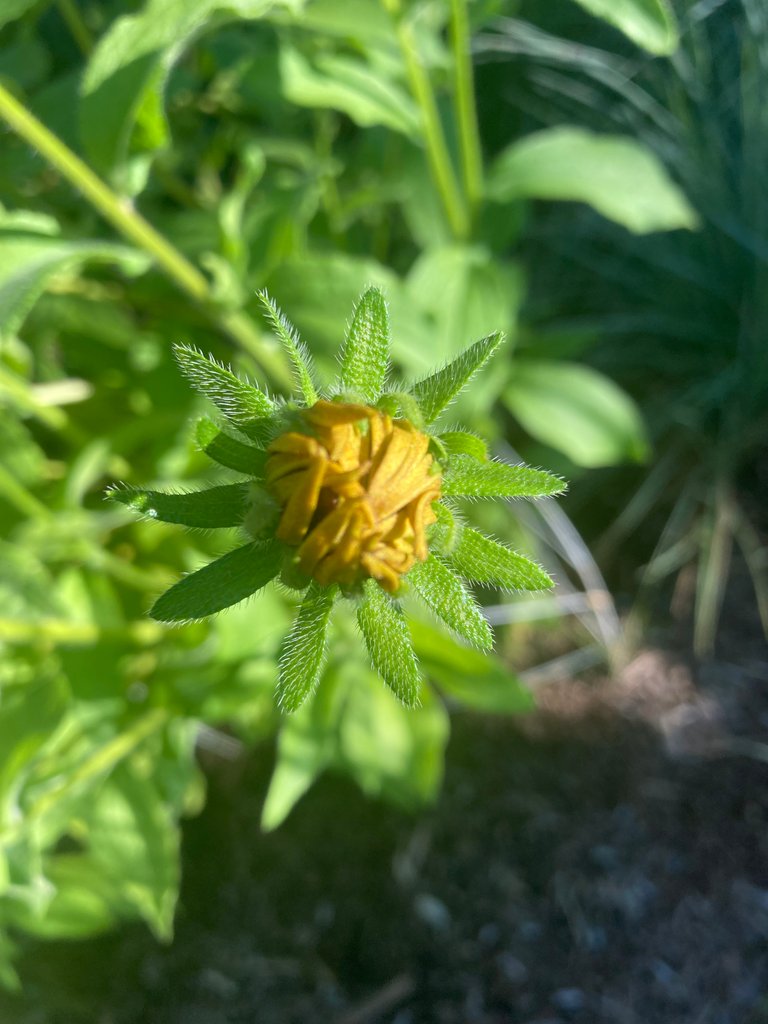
(356, 493)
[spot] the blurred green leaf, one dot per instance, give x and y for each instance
(133, 839)
(578, 411)
(221, 583)
(392, 751)
(649, 23)
(466, 292)
(620, 178)
(29, 261)
(477, 681)
(465, 476)
(12, 9)
(125, 78)
(350, 86)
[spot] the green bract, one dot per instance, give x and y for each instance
(456, 553)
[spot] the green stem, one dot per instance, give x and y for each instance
(18, 495)
(76, 25)
(121, 214)
(437, 150)
(464, 102)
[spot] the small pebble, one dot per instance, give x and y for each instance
(513, 969)
(432, 911)
(569, 1000)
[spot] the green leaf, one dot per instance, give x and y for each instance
(349, 85)
(467, 292)
(365, 356)
(134, 839)
(483, 560)
(462, 442)
(478, 681)
(208, 510)
(229, 451)
(83, 902)
(386, 636)
(222, 583)
(242, 403)
(578, 411)
(29, 261)
(649, 23)
(12, 9)
(617, 176)
(442, 591)
(303, 653)
(125, 78)
(295, 349)
(390, 750)
(464, 476)
(436, 392)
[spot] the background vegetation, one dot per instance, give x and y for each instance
(164, 161)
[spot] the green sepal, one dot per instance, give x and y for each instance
(386, 636)
(365, 355)
(301, 661)
(295, 349)
(240, 401)
(220, 584)
(436, 392)
(215, 508)
(444, 593)
(464, 476)
(462, 442)
(482, 560)
(228, 451)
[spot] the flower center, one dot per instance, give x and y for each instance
(356, 493)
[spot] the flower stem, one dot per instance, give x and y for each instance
(434, 138)
(464, 103)
(74, 22)
(121, 215)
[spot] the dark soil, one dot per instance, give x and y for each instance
(606, 860)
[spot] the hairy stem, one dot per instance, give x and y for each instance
(124, 218)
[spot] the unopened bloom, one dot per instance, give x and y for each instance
(356, 491)
(347, 493)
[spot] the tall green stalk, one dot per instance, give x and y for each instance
(438, 156)
(465, 105)
(121, 214)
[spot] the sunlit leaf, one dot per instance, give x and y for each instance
(209, 509)
(242, 403)
(578, 411)
(649, 23)
(619, 177)
(442, 591)
(389, 643)
(229, 451)
(483, 560)
(222, 583)
(304, 648)
(365, 356)
(435, 393)
(295, 349)
(465, 476)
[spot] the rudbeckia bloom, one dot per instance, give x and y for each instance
(349, 494)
